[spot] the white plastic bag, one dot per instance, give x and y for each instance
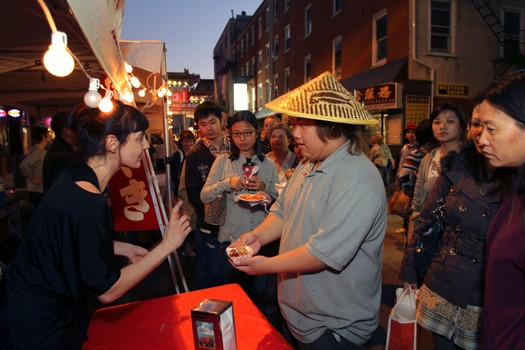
(402, 325)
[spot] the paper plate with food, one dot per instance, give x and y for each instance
(252, 198)
(239, 253)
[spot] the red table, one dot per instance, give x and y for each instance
(165, 323)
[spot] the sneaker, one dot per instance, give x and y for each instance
(400, 231)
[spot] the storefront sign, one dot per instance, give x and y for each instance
(453, 90)
(417, 109)
(15, 113)
(380, 97)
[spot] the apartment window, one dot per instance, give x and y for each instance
(275, 46)
(268, 55)
(337, 55)
(259, 27)
(260, 95)
(286, 79)
(253, 65)
(247, 40)
(275, 86)
(253, 36)
(286, 5)
(379, 32)
(268, 91)
(287, 38)
(275, 10)
(267, 18)
(248, 68)
(242, 71)
(440, 26)
(259, 59)
(242, 47)
(511, 39)
(308, 20)
(307, 68)
(253, 98)
(338, 6)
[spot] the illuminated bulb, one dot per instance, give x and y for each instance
(169, 93)
(135, 82)
(105, 104)
(57, 60)
(142, 93)
(92, 97)
(127, 96)
(128, 67)
(160, 93)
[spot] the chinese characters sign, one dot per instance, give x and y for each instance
(417, 109)
(380, 97)
(132, 201)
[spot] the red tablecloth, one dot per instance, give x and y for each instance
(165, 323)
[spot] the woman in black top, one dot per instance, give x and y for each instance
(68, 253)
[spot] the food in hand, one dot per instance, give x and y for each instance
(252, 197)
(239, 253)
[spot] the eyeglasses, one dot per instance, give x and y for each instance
(278, 137)
(245, 134)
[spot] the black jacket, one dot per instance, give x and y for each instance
(457, 270)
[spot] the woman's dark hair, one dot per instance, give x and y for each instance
(507, 95)
(354, 133)
(93, 126)
(186, 135)
(424, 133)
(249, 117)
(38, 133)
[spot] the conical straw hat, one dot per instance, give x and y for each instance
(323, 98)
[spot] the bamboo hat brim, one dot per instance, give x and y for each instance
(323, 98)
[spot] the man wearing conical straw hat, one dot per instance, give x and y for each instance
(331, 219)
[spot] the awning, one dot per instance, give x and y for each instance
(264, 112)
(390, 72)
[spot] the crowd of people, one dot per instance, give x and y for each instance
(316, 231)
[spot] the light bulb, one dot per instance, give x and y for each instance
(160, 93)
(135, 82)
(105, 104)
(57, 60)
(128, 67)
(142, 92)
(169, 93)
(92, 97)
(127, 96)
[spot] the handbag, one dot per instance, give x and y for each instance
(215, 211)
(429, 239)
(402, 324)
(400, 203)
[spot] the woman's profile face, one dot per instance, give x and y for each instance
(502, 138)
(446, 127)
(131, 150)
(475, 129)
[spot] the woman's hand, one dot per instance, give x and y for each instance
(177, 229)
(254, 183)
(236, 183)
(407, 285)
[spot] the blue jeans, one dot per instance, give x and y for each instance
(208, 268)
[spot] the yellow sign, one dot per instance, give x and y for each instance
(453, 90)
(417, 109)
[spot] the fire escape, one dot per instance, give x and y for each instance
(510, 42)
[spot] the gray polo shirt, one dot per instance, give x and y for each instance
(339, 212)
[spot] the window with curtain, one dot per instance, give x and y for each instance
(440, 27)
(380, 38)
